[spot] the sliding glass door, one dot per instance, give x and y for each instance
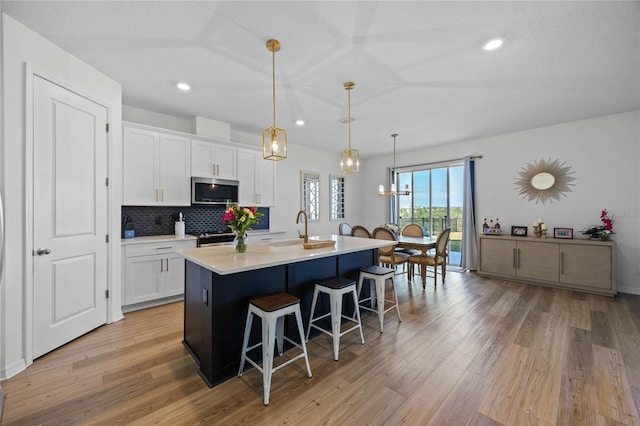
(435, 202)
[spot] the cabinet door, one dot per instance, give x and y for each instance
(174, 168)
(225, 161)
(538, 260)
(202, 159)
(265, 183)
(586, 265)
(247, 177)
(139, 167)
(497, 256)
(174, 275)
(144, 278)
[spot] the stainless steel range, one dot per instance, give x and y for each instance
(212, 238)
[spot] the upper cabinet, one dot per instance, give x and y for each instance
(257, 178)
(209, 159)
(156, 168)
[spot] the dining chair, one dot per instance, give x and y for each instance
(344, 229)
(388, 255)
(412, 230)
(360, 231)
(438, 259)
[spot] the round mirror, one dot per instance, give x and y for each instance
(543, 181)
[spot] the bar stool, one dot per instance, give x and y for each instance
(272, 310)
(379, 275)
(336, 288)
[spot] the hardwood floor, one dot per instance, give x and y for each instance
(474, 351)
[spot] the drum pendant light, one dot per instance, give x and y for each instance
(349, 158)
(274, 139)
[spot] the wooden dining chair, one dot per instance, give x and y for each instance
(438, 259)
(344, 229)
(412, 230)
(388, 255)
(360, 231)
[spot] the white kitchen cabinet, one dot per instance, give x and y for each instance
(581, 265)
(153, 272)
(257, 178)
(156, 168)
(209, 159)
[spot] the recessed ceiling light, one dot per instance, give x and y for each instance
(493, 44)
(300, 122)
(183, 86)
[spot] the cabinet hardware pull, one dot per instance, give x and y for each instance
(157, 194)
(162, 193)
(163, 248)
(562, 262)
(514, 258)
(213, 169)
(161, 265)
(167, 268)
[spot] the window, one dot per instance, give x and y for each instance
(435, 201)
(336, 200)
(310, 197)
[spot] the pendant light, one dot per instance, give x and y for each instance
(349, 158)
(393, 191)
(274, 139)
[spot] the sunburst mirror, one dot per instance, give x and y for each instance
(544, 180)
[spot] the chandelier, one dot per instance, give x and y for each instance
(393, 190)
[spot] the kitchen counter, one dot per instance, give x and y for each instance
(158, 239)
(224, 260)
(220, 282)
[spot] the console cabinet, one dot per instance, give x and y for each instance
(581, 265)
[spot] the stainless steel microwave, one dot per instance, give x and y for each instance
(213, 191)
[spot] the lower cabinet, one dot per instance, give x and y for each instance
(581, 265)
(153, 273)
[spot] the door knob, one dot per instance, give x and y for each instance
(42, 251)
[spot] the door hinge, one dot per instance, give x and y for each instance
(107, 127)
(106, 238)
(106, 182)
(106, 294)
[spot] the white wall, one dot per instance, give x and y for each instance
(603, 152)
(22, 46)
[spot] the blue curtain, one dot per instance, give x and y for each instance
(469, 255)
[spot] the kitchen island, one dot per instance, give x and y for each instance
(219, 283)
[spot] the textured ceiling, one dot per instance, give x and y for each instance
(418, 67)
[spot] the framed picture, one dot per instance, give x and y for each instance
(566, 233)
(519, 231)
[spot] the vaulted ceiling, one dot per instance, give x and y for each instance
(418, 66)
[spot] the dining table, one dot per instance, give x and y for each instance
(423, 244)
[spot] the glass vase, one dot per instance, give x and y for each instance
(240, 242)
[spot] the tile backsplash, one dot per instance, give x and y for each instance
(159, 220)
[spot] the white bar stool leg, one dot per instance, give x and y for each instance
(298, 316)
(247, 330)
(357, 313)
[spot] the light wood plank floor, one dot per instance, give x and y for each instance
(474, 351)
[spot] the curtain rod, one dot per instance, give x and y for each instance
(473, 157)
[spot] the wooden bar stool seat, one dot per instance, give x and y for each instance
(336, 288)
(379, 275)
(272, 309)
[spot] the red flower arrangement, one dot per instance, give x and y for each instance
(603, 231)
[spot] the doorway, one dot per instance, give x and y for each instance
(435, 202)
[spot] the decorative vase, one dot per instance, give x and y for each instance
(240, 242)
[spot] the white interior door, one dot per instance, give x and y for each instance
(69, 215)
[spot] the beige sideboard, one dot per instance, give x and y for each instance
(581, 265)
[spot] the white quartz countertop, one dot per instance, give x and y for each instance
(157, 239)
(224, 260)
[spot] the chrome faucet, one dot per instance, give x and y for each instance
(306, 229)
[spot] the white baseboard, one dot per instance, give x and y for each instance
(152, 303)
(12, 369)
(628, 290)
